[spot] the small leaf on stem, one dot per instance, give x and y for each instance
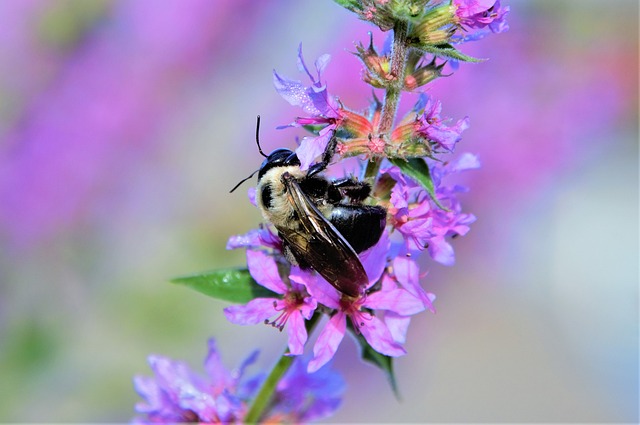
(417, 169)
(234, 285)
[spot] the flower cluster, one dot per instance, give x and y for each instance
(416, 218)
(176, 394)
(350, 248)
(435, 22)
(423, 213)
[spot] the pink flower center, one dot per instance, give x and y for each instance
(352, 308)
(291, 302)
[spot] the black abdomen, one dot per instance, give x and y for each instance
(361, 225)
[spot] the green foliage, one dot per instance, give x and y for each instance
(417, 169)
(234, 285)
(446, 51)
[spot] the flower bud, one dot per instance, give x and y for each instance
(437, 18)
(356, 124)
(422, 75)
(433, 27)
(377, 68)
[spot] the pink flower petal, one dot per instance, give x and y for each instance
(374, 259)
(398, 326)
(379, 337)
(264, 270)
(312, 147)
(317, 287)
(328, 341)
(297, 333)
(397, 300)
(255, 311)
(408, 274)
(441, 251)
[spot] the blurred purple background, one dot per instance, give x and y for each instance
(123, 125)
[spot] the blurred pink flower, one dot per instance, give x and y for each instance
(98, 117)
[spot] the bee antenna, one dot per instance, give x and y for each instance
(258, 137)
(242, 181)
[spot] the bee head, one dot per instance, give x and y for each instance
(278, 158)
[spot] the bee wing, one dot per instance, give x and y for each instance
(322, 246)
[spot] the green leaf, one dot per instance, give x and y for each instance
(417, 169)
(447, 51)
(233, 284)
(385, 363)
(352, 5)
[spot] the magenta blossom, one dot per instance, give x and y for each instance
(360, 310)
(292, 308)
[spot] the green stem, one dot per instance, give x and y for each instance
(393, 92)
(262, 400)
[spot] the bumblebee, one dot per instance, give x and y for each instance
(323, 223)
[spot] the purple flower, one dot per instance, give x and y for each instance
(398, 322)
(302, 397)
(432, 126)
(389, 298)
(448, 224)
(293, 308)
(423, 224)
(93, 107)
(407, 274)
(261, 237)
(409, 211)
(485, 16)
(176, 394)
(315, 101)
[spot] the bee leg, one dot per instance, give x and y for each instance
(355, 190)
(361, 225)
(326, 157)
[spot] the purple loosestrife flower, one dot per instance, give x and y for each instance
(420, 209)
(429, 125)
(261, 237)
(176, 394)
(293, 308)
(398, 322)
(314, 101)
(422, 223)
(407, 273)
(100, 111)
(302, 397)
(323, 109)
(433, 128)
(484, 16)
(360, 310)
